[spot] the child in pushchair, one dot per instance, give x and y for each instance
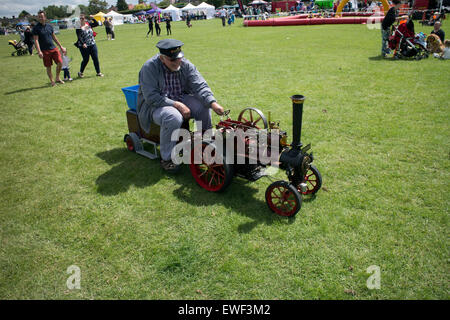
(406, 44)
(20, 47)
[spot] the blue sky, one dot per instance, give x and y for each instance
(10, 8)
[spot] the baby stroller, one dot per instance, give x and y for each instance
(20, 47)
(406, 44)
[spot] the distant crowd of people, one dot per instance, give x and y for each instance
(199, 15)
(256, 12)
(42, 36)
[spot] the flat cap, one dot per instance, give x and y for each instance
(170, 48)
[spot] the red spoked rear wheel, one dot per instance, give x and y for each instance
(283, 199)
(214, 177)
(313, 180)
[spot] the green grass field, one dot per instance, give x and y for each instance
(71, 194)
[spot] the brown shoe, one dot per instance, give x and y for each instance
(169, 166)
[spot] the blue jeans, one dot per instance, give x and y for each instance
(92, 52)
(384, 41)
(66, 73)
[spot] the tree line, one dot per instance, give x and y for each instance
(64, 11)
(94, 6)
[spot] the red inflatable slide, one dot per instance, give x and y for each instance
(303, 19)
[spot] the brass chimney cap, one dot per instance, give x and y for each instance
(298, 98)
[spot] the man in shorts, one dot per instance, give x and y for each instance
(44, 36)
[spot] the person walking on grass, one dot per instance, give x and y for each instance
(168, 28)
(44, 36)
(113, 35)
(28, 40)
(223, 16)
(188, 21)
(150, 25)
(66, 66)
(157, 27)
(107, 25)
(87, 46)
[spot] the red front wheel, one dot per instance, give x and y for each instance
(313, 180)
(283, 199)
(212, 176)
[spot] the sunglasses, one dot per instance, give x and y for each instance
(172, 59)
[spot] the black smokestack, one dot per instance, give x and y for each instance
(297, 114)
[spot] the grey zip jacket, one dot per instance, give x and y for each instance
(152, 85)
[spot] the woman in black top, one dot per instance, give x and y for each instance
(87, 46)
(28, 40)
(107, 25)
(188, 20)
(157, 27)
(168, 28)
(150, 25)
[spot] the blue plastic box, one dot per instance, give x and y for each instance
(131, 94)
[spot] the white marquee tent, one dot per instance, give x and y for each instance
(117, 18)
(208, 9)
(189, 8)
(174, 12)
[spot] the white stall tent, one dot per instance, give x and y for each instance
(208, 9)
(189, 8)
(117, 18)
(174, 12)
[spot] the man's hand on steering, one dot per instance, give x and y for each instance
(217, 108)
(184, 110)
